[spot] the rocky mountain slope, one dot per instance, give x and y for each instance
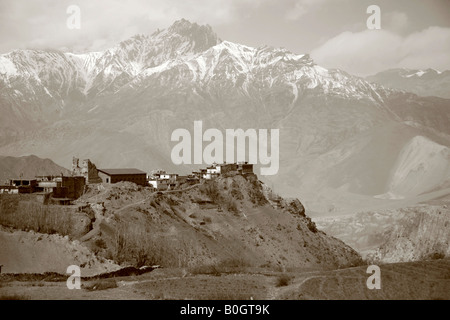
(422, 233)
(341, 137)
(428, 82)
(388, 236)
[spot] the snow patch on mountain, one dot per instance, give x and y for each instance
(7, 67)
(418, 73)
(406, 73)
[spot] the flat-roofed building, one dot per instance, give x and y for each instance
(117, 175)
(24, 185)
(8, 188)
(245, 168)
(159, 184)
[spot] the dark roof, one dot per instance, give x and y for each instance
(122, 171)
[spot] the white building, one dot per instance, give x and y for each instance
(159, 184)
(215, 168)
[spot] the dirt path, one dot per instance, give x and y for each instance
(99, 217)
(95, 228)
(153, 194)
(130, 283)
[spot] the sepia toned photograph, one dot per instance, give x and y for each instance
(219, 150)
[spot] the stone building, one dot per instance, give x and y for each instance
(86, 169)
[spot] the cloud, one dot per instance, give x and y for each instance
(301, 7)
(371, 51)
(42, 23)
(395, 21)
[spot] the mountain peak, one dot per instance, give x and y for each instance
(203, 37)
(182, 24)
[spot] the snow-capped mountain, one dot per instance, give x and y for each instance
(193, 51)
(338, 132)
(427, 82)
(39, 78)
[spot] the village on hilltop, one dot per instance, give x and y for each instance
(63, 189)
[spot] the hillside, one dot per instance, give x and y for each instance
(31, 252)
(28, 167)
(224, 223)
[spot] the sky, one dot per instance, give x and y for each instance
(414, 34)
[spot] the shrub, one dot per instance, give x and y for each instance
(211, 190)
(231, 205)
(235, 191)
(209, 269)
(237, 194)
(100, 243)
(235, 265)
(29, 215)
(436, 256)
(283, 280)
(231, 265)
(137, 246)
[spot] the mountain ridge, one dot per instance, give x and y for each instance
(429, 82)
(27, 167)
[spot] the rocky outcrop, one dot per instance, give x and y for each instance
(294, 206)
(422, 233)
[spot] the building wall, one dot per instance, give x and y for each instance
(74, 185)
(215, 169)
(47, 184)
(105, 178)
(139, 179)
(207, 176)
(9, 190)
(24, 185)
(60, 192)
(159, 184)
(162, 186)
(181, 180)
(86, 169)
(246, 168)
